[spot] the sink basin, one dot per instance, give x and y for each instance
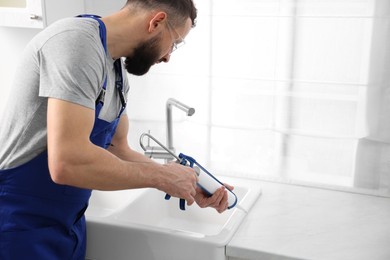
(141, 224)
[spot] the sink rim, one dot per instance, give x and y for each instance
(220, 239)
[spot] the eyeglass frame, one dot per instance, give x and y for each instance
(178, 43)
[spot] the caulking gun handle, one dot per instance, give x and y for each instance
(182, 204)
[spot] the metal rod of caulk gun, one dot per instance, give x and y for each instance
(157, 142)
(241, 208)
(197, 170)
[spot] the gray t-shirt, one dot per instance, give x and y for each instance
(65, 61)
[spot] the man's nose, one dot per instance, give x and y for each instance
(165, 58)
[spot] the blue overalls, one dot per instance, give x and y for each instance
(40, 219)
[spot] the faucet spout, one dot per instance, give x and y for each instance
(188, 110)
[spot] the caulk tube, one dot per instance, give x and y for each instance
(208, 182)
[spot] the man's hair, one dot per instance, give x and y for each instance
(178, 10)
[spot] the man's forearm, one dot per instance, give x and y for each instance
(95, 168)
(127, 154)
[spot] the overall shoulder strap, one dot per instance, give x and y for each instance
(102, 28)
(103, 38)
(117, 64)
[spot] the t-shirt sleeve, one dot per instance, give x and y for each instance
(72, 68)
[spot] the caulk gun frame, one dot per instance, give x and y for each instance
(157, 142)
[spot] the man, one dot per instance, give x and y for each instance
(64, 132)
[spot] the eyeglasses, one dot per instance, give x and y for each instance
(177, 43)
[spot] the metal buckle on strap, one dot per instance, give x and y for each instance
(101, 96)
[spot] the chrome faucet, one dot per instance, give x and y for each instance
(188, 110)
(157, 152)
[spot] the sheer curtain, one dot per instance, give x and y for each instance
(285, 90)
(372, 161)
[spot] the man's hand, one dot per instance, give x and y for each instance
(219, 200)
(178, 181)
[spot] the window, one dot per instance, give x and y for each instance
(288, 90)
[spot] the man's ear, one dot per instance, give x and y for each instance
(157, 20)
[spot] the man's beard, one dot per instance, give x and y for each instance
(145, 55)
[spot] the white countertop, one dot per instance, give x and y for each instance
(296, 222)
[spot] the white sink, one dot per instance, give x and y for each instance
(142, 225)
